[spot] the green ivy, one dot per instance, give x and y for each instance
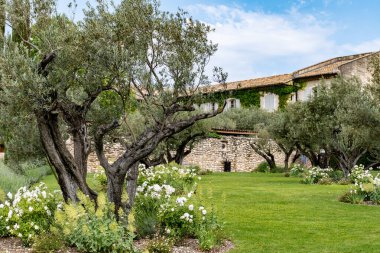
(251, 97)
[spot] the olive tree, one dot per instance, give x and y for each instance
(62, 69)
(341, 118)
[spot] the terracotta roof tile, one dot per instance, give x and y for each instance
(327, 67)
(251, 83)
(330, 66)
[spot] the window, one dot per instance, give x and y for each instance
(232, 103)
(214, 107)
(269, 102)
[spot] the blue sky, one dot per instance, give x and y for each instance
(262, 38)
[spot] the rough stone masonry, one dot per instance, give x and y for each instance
(213, 153)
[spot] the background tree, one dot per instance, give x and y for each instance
(280, 129)
(340, 118)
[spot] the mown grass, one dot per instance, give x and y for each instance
(271, 213)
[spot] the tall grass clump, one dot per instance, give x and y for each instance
(10, 181)
(13, 177)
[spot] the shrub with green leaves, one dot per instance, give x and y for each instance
(315, 174)
(94, 230)
(28, 212)
(166, 204)
(364, 192)
(262, 167)
(360, 174)
(297, 170)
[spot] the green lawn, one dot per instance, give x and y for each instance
(271, 213)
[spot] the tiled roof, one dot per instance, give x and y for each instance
(251, 83)
(234, 131)
(330, 66)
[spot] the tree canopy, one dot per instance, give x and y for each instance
(89, 78)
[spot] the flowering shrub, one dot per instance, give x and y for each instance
(315, 174)
(359, 174)
(297, 170)
(181, 179)
(93, 230)
(28, 212)
(362, 191)
(166, 204)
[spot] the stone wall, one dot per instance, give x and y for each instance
(209, 154)
(212, 153)
(358, 69)
(112, 152)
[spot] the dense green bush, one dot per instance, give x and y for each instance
(166, 204)
(93, 230)
(28, 212)
(365, 189)
(48, 242)
(297, 170)
(262, 167)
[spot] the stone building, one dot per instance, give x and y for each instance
(269, 93)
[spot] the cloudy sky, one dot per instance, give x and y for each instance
(269, 37)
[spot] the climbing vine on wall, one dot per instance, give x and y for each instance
(251, 97)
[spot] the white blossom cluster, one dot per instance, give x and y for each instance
(314, 174)
(360, 175)
(155, 190)
(21, 214)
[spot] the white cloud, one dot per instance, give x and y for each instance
(367, 46)
(255, 44)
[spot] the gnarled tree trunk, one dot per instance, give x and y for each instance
(70, 177)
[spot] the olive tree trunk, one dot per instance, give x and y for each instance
(70, 176)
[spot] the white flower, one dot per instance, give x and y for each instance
(7, 227)
(1, 206)
(181, 201)
(9, 195)
(191, 207)
(201, 208)
(168, 231)
(204, 211)
(16, 226)
(19, 235)
(30, 209)
(10, 213)
(36, 227)
(156, 188)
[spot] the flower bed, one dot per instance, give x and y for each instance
(167, 206)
